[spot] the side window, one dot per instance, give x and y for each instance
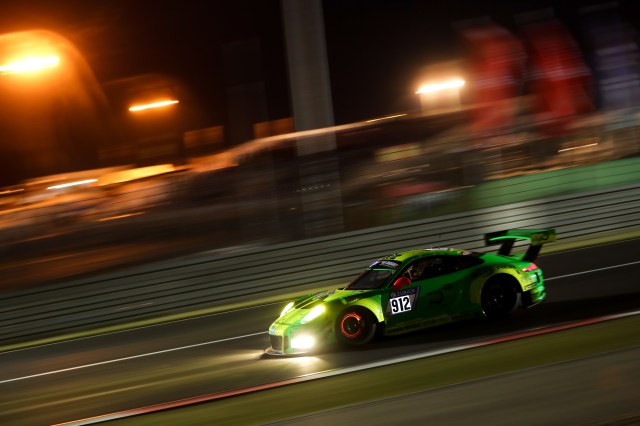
(457, 263)
(435, 268)
(428, 268)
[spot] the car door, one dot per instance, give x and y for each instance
(437, 282)
(427, 295)
(445, 283)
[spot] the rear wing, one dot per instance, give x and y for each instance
(506, 239)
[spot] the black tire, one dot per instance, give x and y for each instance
(499, 298)
(355, 326)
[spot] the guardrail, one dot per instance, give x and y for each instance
(208, 280)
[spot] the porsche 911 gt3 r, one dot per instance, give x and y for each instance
(416, 289)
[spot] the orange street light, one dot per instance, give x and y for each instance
(30, 64)
(158, 104)
(436, 87)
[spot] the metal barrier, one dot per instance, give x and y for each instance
(207, 280)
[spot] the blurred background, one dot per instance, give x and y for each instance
(133, 132)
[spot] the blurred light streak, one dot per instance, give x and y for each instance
(385, 118)
(30, 64)
(121, 176)
(11, 191)
(122, 216)
(578, 147)
(233, 156)
(436, 87)
(158, 104)
(66, 185)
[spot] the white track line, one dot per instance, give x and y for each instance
(111, 361)
(592, 271)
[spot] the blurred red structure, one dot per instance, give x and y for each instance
(560, 79)
(496, 66)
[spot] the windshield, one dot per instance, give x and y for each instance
(370, 279)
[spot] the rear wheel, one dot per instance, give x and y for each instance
(499, 299)
(355, 326)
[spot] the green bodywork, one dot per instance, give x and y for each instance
(449, 289)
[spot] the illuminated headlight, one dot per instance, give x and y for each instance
(302, 342)
(313, 314)
(286, 309)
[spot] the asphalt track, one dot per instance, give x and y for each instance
(103, 374)
(596, 390)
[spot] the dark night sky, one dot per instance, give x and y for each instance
(374, 46)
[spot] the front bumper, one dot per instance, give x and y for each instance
(297, 339)
(280, 345)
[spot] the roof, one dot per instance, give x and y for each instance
(413, 254)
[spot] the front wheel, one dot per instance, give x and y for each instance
(355, 326)
(499, 299)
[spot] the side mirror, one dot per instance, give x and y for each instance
(401, 282)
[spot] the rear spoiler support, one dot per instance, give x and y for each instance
(507, 238)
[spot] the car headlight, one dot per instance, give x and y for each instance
(286, 309)
(313, 314)
(303, 342)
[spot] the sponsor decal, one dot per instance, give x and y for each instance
(402, 301)
(543, 237)
(385, 264)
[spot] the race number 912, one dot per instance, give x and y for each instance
(400, 304)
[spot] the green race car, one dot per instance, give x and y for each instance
(416, 289)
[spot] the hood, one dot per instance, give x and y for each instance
(309, 302)
(306, 303)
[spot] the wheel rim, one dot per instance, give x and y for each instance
(351, 325)
(500, 298)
